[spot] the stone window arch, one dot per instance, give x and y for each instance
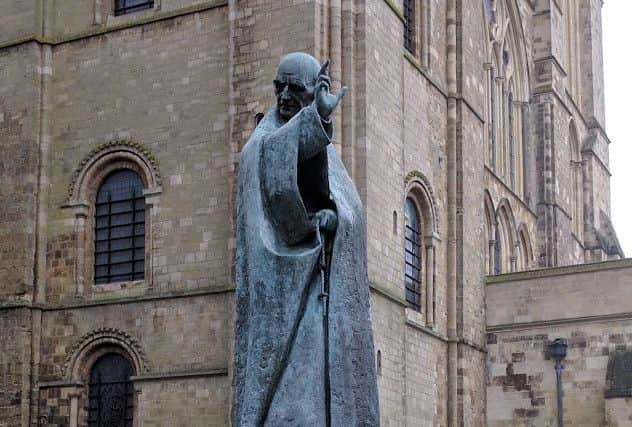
(420, 201)
(101, 163)
(505, 258)
(490, 233)
(525, 250)
(111, 392)
(90, 352)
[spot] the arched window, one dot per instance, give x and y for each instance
(119, 243)
(413, 255)
(110, 392)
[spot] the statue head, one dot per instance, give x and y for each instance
(295, 82)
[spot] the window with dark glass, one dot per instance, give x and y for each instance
(497, 253)
(119, 244)
(512, 155)
(409, 25)
(412, 254)
(111, 393)
(128, 6)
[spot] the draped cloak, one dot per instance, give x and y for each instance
(287, 172)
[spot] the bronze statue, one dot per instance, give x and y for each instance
(304, 346)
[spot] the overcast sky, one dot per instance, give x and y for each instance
(617, 41)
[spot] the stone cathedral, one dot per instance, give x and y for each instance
(473, 129)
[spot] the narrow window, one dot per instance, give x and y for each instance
(413, 255)
(512, 154)
(119, 244)
(122, 7)
(409, 25)
(110, 392)
(497, 253)
(492, 119)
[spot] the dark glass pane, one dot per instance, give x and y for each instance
(101, 271)
(101, 259)
(123, 268)
(121, 231)
(101, 246)
(139, 266)
(103, 234)
(139, 254)
(122, 219)
(121, 207)
(102, 221)
(102, 209)
(124, 243)
(121, 256)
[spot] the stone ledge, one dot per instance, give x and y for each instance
(560, 271)
(219, 372)
(396, 10)
(133, 23)
(121, 300)
(411, 323)
(505, 327)
(413, 61)
(383, 291)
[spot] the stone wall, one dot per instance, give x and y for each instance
(589, 306)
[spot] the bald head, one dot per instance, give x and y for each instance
(294, 83)
(301, 65)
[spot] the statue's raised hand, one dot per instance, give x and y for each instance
(325, 101)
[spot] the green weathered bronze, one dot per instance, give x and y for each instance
(304, 347)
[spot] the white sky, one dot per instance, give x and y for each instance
(617, 41)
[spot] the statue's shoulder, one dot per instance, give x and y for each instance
(269, 123)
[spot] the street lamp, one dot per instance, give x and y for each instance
(557, 350)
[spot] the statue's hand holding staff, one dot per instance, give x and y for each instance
(325, 101)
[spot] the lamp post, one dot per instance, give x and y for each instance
(557, 350)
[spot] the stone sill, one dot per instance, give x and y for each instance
(560, 271)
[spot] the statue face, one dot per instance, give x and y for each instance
(292, 93)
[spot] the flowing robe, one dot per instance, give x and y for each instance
(283, 348)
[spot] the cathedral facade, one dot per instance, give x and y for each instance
(473, 130)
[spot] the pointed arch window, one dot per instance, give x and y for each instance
(498, 259)
(119, 243)
(110, 392)
(412, 253)
(577, 183)
(511, 142)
